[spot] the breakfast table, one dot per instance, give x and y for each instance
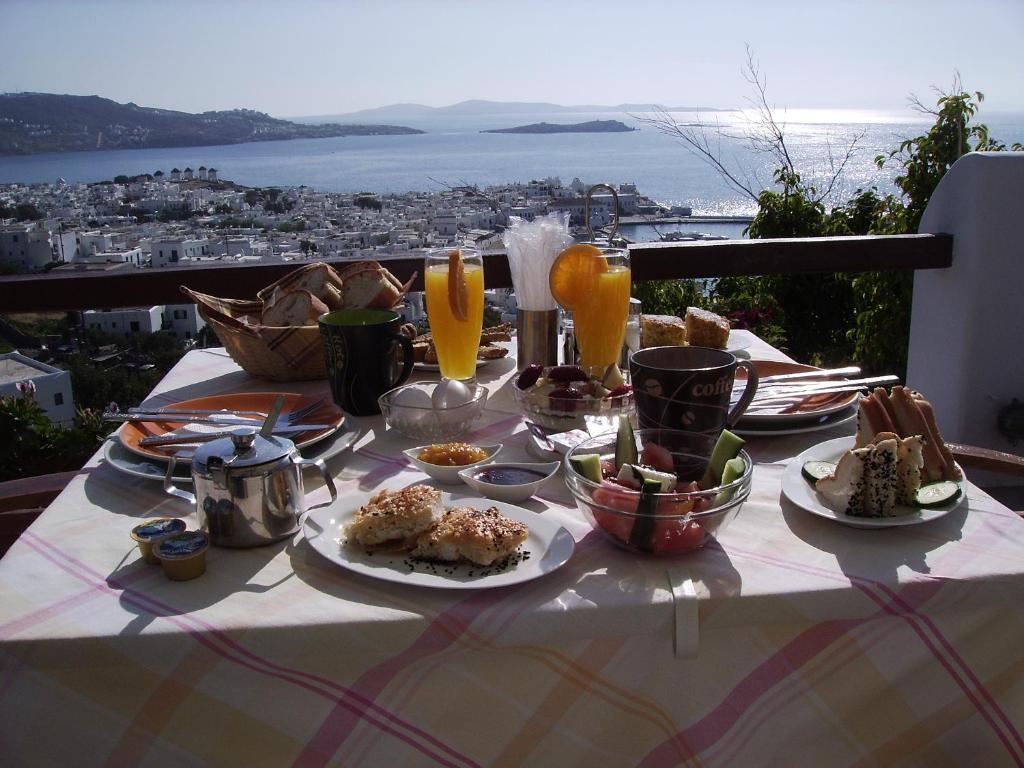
(791, 640)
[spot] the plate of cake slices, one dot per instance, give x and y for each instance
(426, 537)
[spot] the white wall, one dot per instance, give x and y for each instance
(124, 322)
(967, 321)
(53, 388)
(183, 319)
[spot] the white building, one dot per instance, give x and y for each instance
(239, 247)
(53, 386)
(122, 255)
(124, 322)
(26, 246)
(171, 250)
(183, 319)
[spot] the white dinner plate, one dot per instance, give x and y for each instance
(123, 460)
(774, 429)
(549, 546)
(798, 490)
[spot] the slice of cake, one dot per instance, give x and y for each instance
(394, 517)
(706, 329)
(874, 480)
(662, 331)
(465, 533)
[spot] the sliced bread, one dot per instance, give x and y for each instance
(319, 279)
(368, 284)
(294, 308)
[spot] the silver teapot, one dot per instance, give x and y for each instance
(249, 488)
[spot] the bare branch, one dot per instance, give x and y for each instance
(764, 134)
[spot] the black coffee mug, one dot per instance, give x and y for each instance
(361, 348)
(688, 388)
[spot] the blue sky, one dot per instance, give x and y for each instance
(301, 57)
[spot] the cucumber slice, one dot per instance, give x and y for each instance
(588, 465)
(734, 469)
(642, 535)
(727, 447)
(625, 443)
(937, 494)
(816, 470)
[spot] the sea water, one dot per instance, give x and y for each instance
(455, 152)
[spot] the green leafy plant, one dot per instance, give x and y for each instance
(30, 444)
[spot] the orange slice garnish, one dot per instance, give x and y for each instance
(458, 291)
(574, 274)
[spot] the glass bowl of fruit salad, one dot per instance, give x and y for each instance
(561, 396)
(659, 491)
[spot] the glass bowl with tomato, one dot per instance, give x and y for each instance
(659, 491)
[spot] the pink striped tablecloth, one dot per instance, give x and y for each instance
(817, 644)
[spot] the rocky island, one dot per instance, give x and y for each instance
(31, 123)
(591, 126)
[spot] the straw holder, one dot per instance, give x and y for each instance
(536, 337)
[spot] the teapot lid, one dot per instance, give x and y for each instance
(243, 447)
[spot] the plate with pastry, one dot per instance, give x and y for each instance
(494, 345)
(426, 537)
(698, 328)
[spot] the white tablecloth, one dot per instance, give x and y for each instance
(816, 644)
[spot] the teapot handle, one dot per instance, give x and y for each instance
(328, 480)
(171, 488)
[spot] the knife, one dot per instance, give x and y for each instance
(225, 421)
(268, 426)
(173, 438)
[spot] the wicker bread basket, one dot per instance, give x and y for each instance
(292, 353)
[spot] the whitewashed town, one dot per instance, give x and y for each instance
(184, 217)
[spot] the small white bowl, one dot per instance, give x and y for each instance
(449, 475)
(509, 493)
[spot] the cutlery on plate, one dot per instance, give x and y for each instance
(177, 438)
(824, 373)
(205, 416)
(139, 410)
(838, 386)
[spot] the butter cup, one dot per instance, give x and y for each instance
(183, 556)
(151, 532)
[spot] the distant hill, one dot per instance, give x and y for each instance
(484, 108)
(45, 122)
(591, 126)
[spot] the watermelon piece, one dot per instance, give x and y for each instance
(657, 457)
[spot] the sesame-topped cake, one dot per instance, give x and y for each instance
(706, 329)
(396, 516)
(465, 533)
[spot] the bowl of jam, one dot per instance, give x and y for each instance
(510, 482)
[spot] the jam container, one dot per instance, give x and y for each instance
(183, 555)
(151, 532)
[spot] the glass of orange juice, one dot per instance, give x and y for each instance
(593, 281)
(454, 279)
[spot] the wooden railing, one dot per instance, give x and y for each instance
(649, 261)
